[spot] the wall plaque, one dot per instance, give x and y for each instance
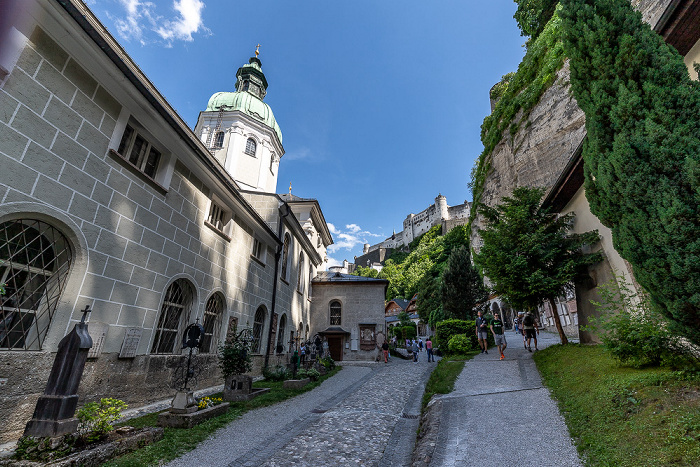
(98, 332)
(132, 337)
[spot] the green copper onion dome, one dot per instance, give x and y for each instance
(251, 87)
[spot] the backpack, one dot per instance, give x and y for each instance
(528, 320)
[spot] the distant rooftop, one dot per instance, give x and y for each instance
(329, 276)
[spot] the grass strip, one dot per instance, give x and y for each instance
(442, 379)
(624, 416)
(178, 441)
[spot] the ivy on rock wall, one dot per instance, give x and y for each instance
(520, 94)
(642, 152)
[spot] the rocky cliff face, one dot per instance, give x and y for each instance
(538, 153)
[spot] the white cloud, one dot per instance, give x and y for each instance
(141, 21)
(187, 23)
(349, 238)
(298, 154)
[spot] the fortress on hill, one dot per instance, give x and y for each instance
(414, 226)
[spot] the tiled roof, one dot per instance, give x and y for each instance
(328, 276)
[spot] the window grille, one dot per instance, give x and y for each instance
(176, 307)
(311, 277)
(35, 259)
(258, 249)
(219, 140)
(217, 216)
(300, 275)
(336, 309)
(212, 322)
(258, 324)
(250, 147)
(137, 150)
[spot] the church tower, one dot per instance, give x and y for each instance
(240, 130)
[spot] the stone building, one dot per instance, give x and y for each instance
(547, 153)
(348, 313)
(108, 199)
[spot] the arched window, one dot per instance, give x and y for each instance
(285, 256)
(336, 309)
(219, 139)
(174, 311)
(311, 277)
(213, 313)
(280, 334)
(258, 324)
(34, 262)
(250, 147)
(300, 275)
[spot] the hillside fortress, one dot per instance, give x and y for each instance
(416, 225)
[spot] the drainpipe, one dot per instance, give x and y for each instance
(283, 213)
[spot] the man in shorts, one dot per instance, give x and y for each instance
(498, 334)
(530, 329)
(482, 332)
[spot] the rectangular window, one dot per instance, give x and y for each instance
(258, 250)
(217, 216)
(136, 149)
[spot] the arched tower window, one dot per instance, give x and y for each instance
(219, 139)
(250, 147)
(175, 310)
(300, 275)
(280, 334)
(336, 311)
(285, 256)
(213, 313)
(34, 262)
(258, 324)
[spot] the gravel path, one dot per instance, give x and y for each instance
(500, 414)
(366, 415)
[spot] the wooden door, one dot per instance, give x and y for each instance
(335, 347)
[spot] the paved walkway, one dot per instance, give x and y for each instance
(500, 414)
(366, 415)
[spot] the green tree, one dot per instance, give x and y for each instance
(462, 288)
(642, 150)
(529, 254)
(532, 15)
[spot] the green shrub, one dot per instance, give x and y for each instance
(96, 418)
(313, 374)
(234, 358)
(444, 330)
(460, 344)
(632, 331)
(276, 373)
(328, 363)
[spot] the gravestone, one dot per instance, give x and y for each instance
(132, 338)
(98, 333)
(55, 410)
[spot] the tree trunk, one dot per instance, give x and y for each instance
(557, 322)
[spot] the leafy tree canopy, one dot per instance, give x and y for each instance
(642, 151)
(532, 15)
(462, 289)
(529, 254)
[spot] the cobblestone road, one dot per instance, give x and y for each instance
(500, 414)
(366, 415)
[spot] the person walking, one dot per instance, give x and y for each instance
(415, 351)
(429, 350)
(516, 324)
(385, 351)
(520, 328)
(303, 354)
(420, 344)
(498, 334)
(482, 332)
(530, 329)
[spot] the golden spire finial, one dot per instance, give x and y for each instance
(290, 188)
(257, 50)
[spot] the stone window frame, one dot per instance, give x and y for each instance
(141, 160)
(219, 139)
(300, 274)
(285, 256)
(175, 311)
(219, 218)
(24, 261)
(280, 333)
(335, 314)
(258, 327)
(259, 251)
(311, 278)
(251, 147)
(212, 321)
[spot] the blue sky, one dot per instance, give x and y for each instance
(380, 102)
